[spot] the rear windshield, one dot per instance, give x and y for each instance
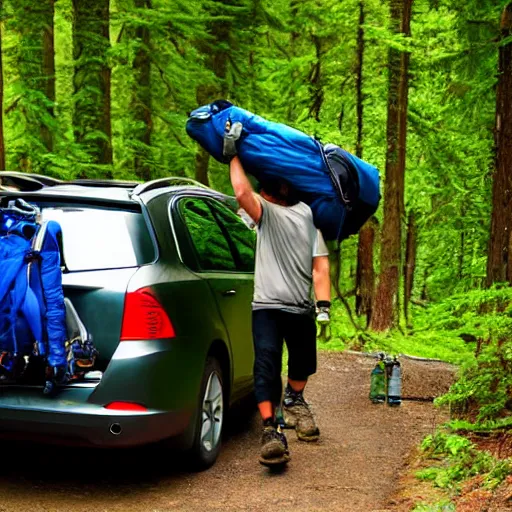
(100, 238)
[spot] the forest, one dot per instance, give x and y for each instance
(422, 89)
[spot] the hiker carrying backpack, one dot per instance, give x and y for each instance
(341, 189)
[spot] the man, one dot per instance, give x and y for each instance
(291, 259)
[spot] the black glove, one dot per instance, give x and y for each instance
(232, 133)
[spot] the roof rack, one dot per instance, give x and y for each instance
(166, 182)
(103, 183)
(26, 181)
(29, 182)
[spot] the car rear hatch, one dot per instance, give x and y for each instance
(103, 246)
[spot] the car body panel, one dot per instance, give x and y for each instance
(232, 306)
(99, 296)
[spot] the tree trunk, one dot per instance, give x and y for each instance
(291, 113)
(365, 274)
(142, 98)
(217, 53)
(49, 71)
(92, 76)
(460, 273)
(315, 81)
(499, 268)
(203, 95)
(424, 289)
(202, 159)
(385, 313)
(34, 23)
(2, 141)
(410, 262)
(403, 106)
(359, 81)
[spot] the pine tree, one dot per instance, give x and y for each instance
(141, 105)
(2, 141)
(215, 49)
(499, 266)
(385, 313)
(365, 274)
(35, 60)
(410, 261)
(92, 77)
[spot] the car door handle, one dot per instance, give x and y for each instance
(229, 293)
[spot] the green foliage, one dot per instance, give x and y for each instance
(484, 388)
(483, 318)
(289, 61)
(461, 460)
(431, 338)
(443, 506)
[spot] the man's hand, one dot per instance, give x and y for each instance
(323, 308)
(232, 133)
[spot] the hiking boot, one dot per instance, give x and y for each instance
(274, 447)
(298, 415)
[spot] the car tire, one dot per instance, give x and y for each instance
(209, 418)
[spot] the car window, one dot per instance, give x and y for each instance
(242, 236)
(101, 238)
(212, 248)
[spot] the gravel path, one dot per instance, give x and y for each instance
(354, 467)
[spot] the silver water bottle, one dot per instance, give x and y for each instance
(395, 383)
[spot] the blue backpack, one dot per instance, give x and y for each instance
(341, 189)
(32, 309)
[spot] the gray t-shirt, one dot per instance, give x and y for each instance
(286, 244)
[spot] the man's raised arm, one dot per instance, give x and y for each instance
(241, 185)
(243, 190)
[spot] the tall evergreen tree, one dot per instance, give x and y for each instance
(217, 51)
(35, 58)
(385, 312)
(499, 264)
(141, 105)
(365, 274)
(359, 80)
(410, 261)
(49, 71)
(92, 79)
(2, 141)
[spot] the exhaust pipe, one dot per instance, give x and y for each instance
(115, 429)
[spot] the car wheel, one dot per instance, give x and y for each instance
(210, 418)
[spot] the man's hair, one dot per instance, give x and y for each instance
(279, 189)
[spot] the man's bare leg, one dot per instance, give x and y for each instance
(297, 385)
(266, 410)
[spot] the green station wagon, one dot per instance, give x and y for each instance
(160, 275)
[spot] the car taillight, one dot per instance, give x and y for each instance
(144, 318)
(125, 406)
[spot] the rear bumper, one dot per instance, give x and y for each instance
(27, 414)
(163, 375)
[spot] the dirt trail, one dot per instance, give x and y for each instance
(354, 467)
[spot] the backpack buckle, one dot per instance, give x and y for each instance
(32, 256)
